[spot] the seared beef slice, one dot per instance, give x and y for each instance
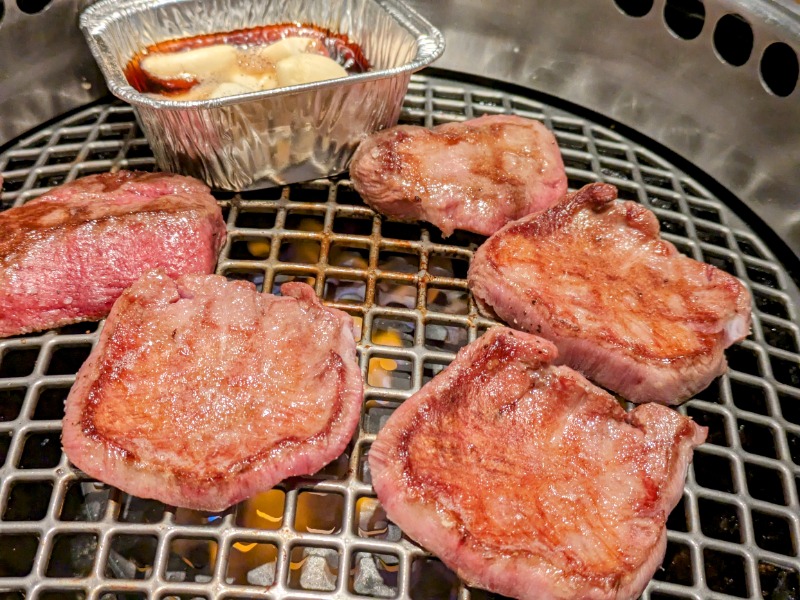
(476, 175)
(529, 481)
(68, 254)
(202, 392)
(623, 306)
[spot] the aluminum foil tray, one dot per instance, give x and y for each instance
(273, 137)
(63, 536)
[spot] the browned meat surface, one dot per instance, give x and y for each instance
(477, 175)
(529, 481)
(67, 255)
(203, 392)
(623, 306)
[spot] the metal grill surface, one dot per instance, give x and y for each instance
(734, 534)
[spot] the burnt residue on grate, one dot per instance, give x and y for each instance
(734, 534)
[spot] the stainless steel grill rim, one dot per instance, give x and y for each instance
(734, 535)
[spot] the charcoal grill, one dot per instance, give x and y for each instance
(736, 531)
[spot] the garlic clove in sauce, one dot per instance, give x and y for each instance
(307, 68)
(199, 63)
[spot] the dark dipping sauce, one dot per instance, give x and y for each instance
(339, 47)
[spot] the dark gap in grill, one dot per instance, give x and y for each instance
(393, 331)
(374, 575)
(11, 403)
(78, 328)
(773, 533)
(349, 254)
(749, 248)
(781, 337)
(72, 555)
(20, 162)
(223, 195)
(447, 337)
(571, 143)
(611, 151)
(712, 393)
(400, 231)
(308, 193)
(460, 238)
(363, 465)
(301, 251)
(18, 362)
(743, 360)
(676, 520)
(580, 163)
(123, 595)
(676, 566)
(131, 557)
(12, 594)
(713, 472)
(372, 522)
(752, 398)
(575, 182)
(255, 249)
(256, 277)
(757, 439)
(785, 370)
(5, 444)
(376, 412)
(188, 516)
(19, 550)
(720, 520)
(352, 225)
(764, 275)
(41, 450)
(447, 301)
(182, 596)
(102, 154)
(113, 134)
(777, 582)
(764, 483)
(672, 225)
(707, 213)
(338, 468)
(139, 150)
(255, 219)
(780, 68)
(140, 510)
(398, 262)
(657, 180)
(273, 193)
(313, 568)
(624, 193)
(62, 594)
(432, 580)
(252, 563)
(49, 180)
(319, 512)
(771, 305)
(191, 559)
(397, 294)
(616, 171)
(713, 236)
(430, 369)
(84, 501)
(793, 441)
(725, 263)
(28, 501)
(717, 432)
(344, 289)
(790, 407)
(302, 221)
(725, 573)
(68, 359)
(441, 265)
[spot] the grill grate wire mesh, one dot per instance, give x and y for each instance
(734, 534)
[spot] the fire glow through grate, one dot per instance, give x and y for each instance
(734, 534)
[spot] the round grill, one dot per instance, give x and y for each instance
(734, 534)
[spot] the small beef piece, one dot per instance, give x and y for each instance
(623, 306)
(67, 255)
(529, 481)
(477, 175)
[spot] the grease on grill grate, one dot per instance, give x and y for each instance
(735, 532)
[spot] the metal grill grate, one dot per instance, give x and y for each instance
(734, 534)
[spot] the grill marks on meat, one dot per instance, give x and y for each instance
(203, 392)
(476, 175)
(67, 255)
(529, 481)
(623, 306)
